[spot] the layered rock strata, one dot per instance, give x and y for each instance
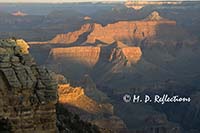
(89, 56)
(28, 93)
(85, 55)
(119, 31)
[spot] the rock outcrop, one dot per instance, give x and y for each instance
(100, 114)
(75, 96)
(19, 14)
(88, 56)
(133, 54)
(154, 16)
(72, 37)
(128, 31)
(28, 93)
(82, 59)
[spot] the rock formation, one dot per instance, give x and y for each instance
(87, 18)
(27, 92)
(75, 96)
(19, 13)
(120, 31)
(88, 56)
(128, 31)
(100, 114)
(82, 59)
(72, 37)
(133, 54)
(137, 5)
(154, 16)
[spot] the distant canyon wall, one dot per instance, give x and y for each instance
(125, 31)
(128, 31)
(89, 55)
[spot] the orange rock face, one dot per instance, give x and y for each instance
(76, 97)
(125, 30)
(88, 56)
(132, 54)
(19, 13)
(71, 37)
(120, 31)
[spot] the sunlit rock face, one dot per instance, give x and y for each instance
(123, 31)
(19, 14)
(72, 37)
(100, 114)
(116, 50)
(76, 96)
(128, 31)
(23, 45)
(154, 16)
(75, 62)
(88, 56)
(28, 93)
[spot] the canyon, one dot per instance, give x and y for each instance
(128, 31)
(143, 56)
(115, 49)
(90, 56)
(29, 97)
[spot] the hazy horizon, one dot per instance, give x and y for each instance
(54, 1)
(65, 1)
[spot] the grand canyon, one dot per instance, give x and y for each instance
(67, 67)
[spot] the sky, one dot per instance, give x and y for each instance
(52, 1)
(62, 1)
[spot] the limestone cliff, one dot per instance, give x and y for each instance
(28, 93)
